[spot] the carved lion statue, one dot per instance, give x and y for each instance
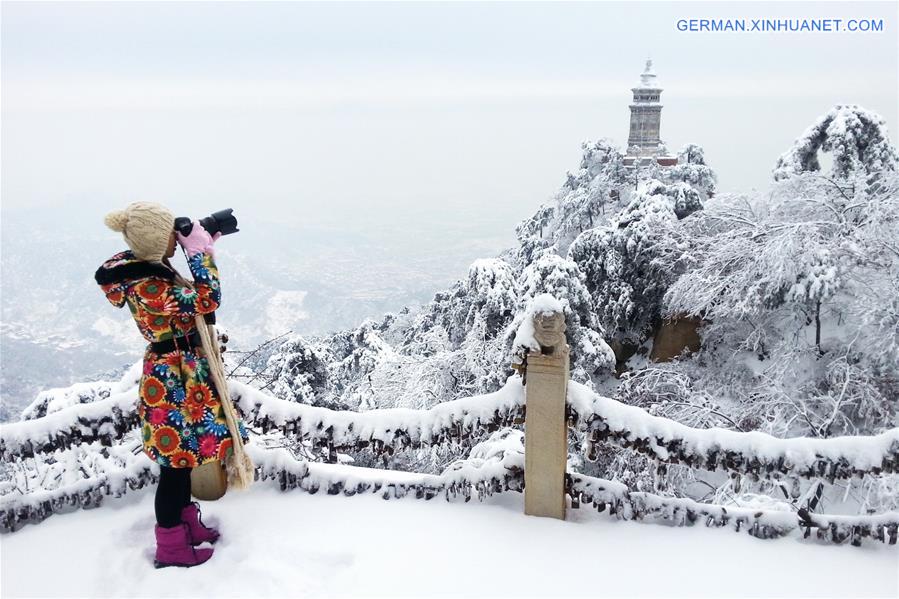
(549, 331)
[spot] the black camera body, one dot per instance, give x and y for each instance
(223, 222)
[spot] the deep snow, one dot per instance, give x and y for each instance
(299, 545)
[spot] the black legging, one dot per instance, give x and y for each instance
(172, 494)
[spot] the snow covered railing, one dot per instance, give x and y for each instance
(384, 430)
(497, 465)
(765, 524)
(838, 529)
(488, 470)
(493, 466)
(754, 454)
(105, 421)
(84, 477)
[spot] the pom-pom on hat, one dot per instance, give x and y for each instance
(146, 227)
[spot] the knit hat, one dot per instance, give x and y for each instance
(146, 227)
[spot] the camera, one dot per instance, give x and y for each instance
(223, 222)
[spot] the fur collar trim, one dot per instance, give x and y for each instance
(123, 267)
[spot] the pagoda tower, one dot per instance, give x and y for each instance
(643, 142)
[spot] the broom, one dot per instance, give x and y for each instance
(238, 466)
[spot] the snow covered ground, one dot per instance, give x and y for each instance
(299, 545)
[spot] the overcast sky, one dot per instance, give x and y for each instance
(322, 112)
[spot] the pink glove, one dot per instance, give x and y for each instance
(199, 240)
(210, 247)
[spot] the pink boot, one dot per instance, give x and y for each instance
(199, 532)
(173, 548)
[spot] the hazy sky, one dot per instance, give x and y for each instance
(372, 111)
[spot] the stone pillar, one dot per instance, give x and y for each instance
(546, 431)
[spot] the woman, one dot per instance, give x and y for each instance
(182, 421)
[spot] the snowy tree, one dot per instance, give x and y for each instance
(691, 168)
(493, 294)
(856, 138)
(476, 316)
(790, 248)
(299, 371)
(600, 159)
(685, 200)
(489, 290)
(534, 226)
(803, 279)
(630, 263)
(353, 356)
(673, 390)
(588, 198)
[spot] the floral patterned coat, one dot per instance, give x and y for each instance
(182, 420)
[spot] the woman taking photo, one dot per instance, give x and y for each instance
(183, 424)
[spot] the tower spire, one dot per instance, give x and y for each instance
(648, 77)
(646, 115)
